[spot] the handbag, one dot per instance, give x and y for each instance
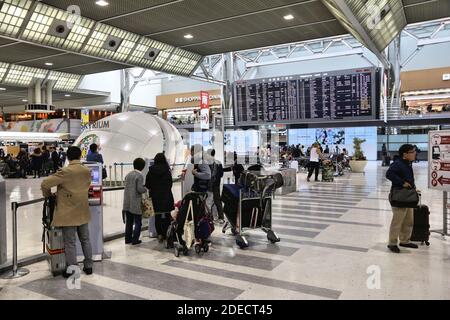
(403, 198)
(189, 227)
(147, 206)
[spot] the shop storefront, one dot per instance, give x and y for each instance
(183, 109)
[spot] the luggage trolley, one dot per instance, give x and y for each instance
(250, 206)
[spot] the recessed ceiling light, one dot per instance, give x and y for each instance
(67, 95)
(24, 100)
(49, 64)
(189, 36)
(2, 89)
(102, 3)
(288, 17)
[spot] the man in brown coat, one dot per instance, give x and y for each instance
(72, 209)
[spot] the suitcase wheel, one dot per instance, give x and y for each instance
(427, 243)
(197, 249)
(177, 252)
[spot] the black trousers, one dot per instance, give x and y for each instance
(314, 166)
(132, 236)
(162, 223)
(218, 201)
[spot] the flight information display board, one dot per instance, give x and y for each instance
(330, 96)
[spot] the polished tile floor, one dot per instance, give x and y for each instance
(333, 247)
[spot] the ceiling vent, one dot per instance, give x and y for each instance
(59, 29)
(152, 54)
(112, 43)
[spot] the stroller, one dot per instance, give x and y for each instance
(193, 206)
(327, 171)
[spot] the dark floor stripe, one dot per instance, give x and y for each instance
(308, 207)
(297, 233)
(315, 244)
(317, 204)
(299, 224)
(306, 212)
(340, 195)
(257, 246)
(328, 220)
(224, 257)
(334, 208)
(306, 196)
(56, 288)
(190, 288)
(226, 274)
(306, 201)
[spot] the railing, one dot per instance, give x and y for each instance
(118, 180)
(17, 272)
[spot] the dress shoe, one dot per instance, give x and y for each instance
(67, 275)
(409, 245)
(136, 243)
(88, 271)
(394, 249)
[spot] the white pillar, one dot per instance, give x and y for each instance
(37, 92)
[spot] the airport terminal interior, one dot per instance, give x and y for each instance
(265, 146)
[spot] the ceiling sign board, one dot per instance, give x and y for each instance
(439, 160)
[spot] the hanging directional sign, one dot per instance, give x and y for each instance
(439, 160)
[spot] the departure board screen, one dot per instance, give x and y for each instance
(344, 95)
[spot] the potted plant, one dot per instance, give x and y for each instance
(358, 162)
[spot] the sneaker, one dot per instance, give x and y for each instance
(409, 245)
(136, 243)
(88, 271)
(394, 249)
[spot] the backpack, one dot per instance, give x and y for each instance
(200, 185)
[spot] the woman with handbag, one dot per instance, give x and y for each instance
(403, 198)
(159, 184)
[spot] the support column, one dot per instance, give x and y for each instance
(394, 110)
(125, 90)
(37, 92)
(227, 96)
(49, 92)
(3, 239)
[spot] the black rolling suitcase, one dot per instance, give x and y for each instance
(421, 228)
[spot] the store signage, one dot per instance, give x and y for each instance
(204, 110)
(99, 125)
(439, 160)
(196, 99)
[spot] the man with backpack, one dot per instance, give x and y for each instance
(214, 198)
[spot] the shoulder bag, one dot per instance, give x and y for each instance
(404, 198)
(147, 206)
(189, 227)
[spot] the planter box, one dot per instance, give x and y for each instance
(358, 166)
